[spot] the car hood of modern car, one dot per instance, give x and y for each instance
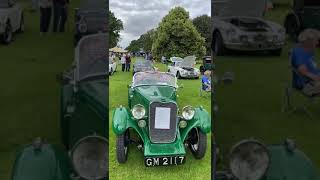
(188, 62)
(250, 8)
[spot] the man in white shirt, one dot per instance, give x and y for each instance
(123, 62)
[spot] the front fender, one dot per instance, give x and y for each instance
(42, 162)
(120, 120)
(201, 120)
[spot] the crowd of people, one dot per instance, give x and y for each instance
(59, 9)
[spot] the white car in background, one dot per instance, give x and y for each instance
(184, 68)
(112, 66)
(11, 20)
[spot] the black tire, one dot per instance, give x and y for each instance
(218, 47)
(197, 143)
(7, 36)
(276, 52)
(22, 25)
(178, 75)
(122, 146)
(292, 27)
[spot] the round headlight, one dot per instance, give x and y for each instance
(188, 112)
(249, 160)
(90, 157)
(138, 111)
(142, 123)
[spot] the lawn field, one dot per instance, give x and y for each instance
(29, 91)
(134, 168)
(251, 106)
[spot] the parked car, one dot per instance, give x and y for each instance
(184, 68)
(112, 66)
(152, 113)
(305, 14)
(242, 27)
(11, 20)
(142, 65)
(207, 64)
(83, 120)
(90, 18)
(250, 159)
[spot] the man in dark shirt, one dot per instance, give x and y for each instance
(307, 75)
(60, 14)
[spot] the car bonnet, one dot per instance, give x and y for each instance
(188, 61)
(227, 8)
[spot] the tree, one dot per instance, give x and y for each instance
(203, 24)
(115, 26)
(177, 36)
(145, 42)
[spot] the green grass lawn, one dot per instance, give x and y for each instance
(134, 168)
(29, 91)
(251, 106)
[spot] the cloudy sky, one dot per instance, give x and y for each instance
(139, 16)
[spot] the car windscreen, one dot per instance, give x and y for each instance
(154, 79)
(91, 56)
(143, 64)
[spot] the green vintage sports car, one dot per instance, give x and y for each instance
(83, 119)
(162, 129)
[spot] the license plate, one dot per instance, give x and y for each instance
(164, 161)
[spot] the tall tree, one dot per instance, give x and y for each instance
(177, 36)
(203, 24)
(115, 26)
(145, 42)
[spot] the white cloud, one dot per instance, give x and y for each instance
(139, 16)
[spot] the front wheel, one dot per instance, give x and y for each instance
(6, 37)
(197, 143)
(122, 147)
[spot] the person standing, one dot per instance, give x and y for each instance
(60, 14)
(123, 62)
(45, 15)
(128, 63)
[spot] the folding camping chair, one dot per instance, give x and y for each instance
(290, 92)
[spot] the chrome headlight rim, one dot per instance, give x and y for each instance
(76, 147)
(134, 110)
(188, 115)
(235, 149)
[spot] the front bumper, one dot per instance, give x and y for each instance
(164, 149)
(255, 46)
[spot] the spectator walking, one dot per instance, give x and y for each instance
(128, 63)
(123, 62)
(60, 14)
(45, 15)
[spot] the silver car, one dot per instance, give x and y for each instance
(11, 20)
(239, 25)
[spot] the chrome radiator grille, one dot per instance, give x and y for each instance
(162, 122)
